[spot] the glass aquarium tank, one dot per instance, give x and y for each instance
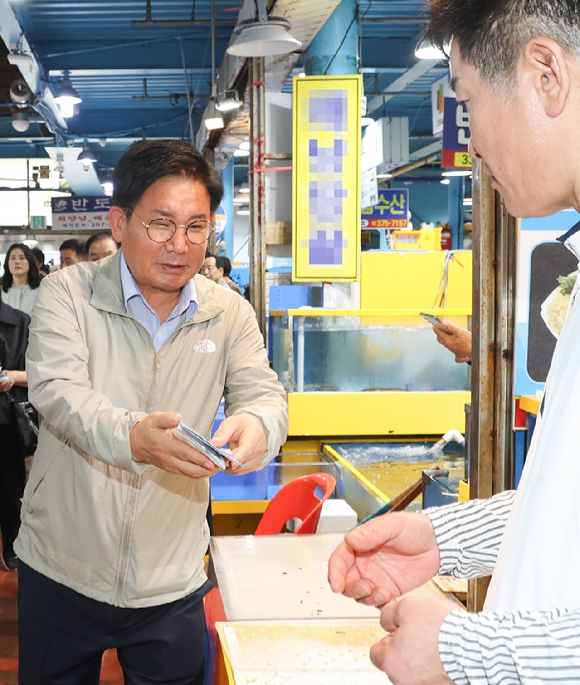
(316, 351)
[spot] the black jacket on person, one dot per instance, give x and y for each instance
(13, 343)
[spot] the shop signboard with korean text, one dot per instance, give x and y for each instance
(78, 213)
(326, 178)
(391, 210)
(455, 136)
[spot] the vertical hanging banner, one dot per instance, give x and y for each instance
(455, 136)
(326, 178)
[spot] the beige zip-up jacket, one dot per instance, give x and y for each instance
(93, 518)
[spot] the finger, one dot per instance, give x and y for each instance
(374, 533)
(379, 652)
(341, 562)
(365, 592)
(165, 420)
(188, 454)
(390, 616)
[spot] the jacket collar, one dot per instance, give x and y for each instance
(571, 240)
(108, 293)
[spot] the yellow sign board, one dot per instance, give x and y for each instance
(326, 178)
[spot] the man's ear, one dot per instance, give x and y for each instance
(548, 65)
(117, 221)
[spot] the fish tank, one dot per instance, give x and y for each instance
(363, 351)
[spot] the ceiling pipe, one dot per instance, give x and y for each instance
(149, 22)
(415, 165)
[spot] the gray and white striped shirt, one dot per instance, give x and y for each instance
(500, 648)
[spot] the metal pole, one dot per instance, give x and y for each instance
(494, 273)
(257, 191)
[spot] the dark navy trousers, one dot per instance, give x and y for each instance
(63, 635)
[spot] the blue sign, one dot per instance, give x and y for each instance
(391, 210)
(456, 136)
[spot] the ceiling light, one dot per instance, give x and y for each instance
(214, 123)
(458, 172)
(366, 121)
(243, 212)
(66, 98)
(445, 182)
(228, 101)
(107, 184)
(20, 121)
(19, 58)
(241, 153)
(244, 189)
(301, 74)
(241, 200)
(262, 38)
(468, 201)
(426, 50)
(30, 242)
(381, 176)
(87, 158)
(19, 91)
(245, 146)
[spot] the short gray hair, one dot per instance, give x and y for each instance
(492, 34)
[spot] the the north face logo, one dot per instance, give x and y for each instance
(205, 346)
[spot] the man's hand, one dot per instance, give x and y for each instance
(244, 435)
(409, 655)
(385, 558)
(14, 378)
(455, 339)
(153, 442)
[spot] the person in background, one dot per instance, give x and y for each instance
(516, 65)
(211, 270)
(223, 263)
(39, 257)
(13, 342)
(21, 278)
(114, 530)
(72, 251)
(456, 339)
(100, 245)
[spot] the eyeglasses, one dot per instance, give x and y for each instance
(162, 230)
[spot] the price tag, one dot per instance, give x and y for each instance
(463, 159)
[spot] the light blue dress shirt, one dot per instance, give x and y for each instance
(136, 305)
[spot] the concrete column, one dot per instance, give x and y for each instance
(335, 49)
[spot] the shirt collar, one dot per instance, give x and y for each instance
(131, 290)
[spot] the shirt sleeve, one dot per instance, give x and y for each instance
(469, 534)
(511, 648)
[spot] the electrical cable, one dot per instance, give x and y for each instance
(356, 13)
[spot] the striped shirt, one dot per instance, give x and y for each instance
(498, 648)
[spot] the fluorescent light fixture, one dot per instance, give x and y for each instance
(467, 201)
(30, 242)
(20, 121)
(301, 74)
(245, 145)
(19, 58)
(458, 172)
(66, 98)
(214, 122)
(425, 50)
(241, 200)
(381, 176)
(241, 153)
(243, 212)
(254, 38)
(244, 189)
(446, 182)
(228, 101)
(87, 158)
(366, 121)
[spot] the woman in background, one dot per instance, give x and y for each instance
(21, 278)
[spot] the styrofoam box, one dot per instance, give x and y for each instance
(337, 516)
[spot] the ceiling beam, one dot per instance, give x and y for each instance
(410, 76)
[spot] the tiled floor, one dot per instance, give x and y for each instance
(111, 672)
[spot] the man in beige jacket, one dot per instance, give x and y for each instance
(113, 527)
